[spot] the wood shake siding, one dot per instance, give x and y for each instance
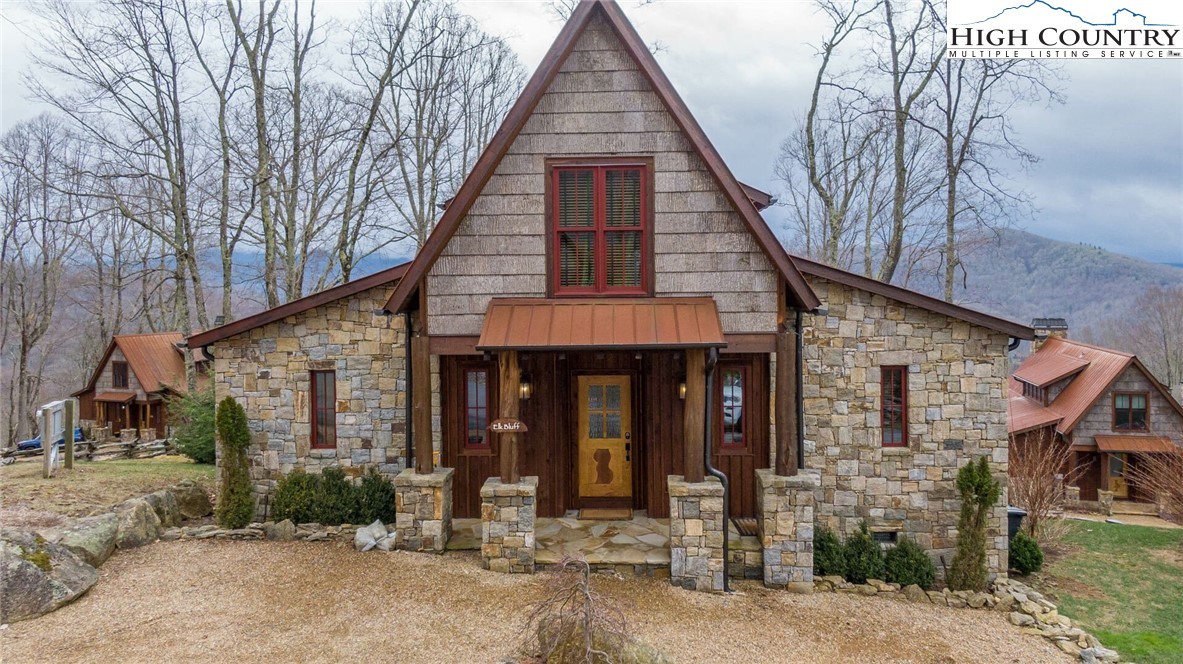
(600, 104)
(1163, 420)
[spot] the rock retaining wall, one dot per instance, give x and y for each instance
(696, 534)
(507, 531)
(1026, 608)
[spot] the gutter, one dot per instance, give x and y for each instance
(708, 437)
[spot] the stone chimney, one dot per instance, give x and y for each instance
(1046, 328)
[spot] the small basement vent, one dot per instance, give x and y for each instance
(885, 536)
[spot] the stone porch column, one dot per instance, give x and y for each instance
(423, 509)
(696, 534)
(785, 509)
(507, 525)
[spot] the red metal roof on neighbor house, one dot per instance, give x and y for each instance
(155, 359)
(1027, 414)
(1116, 443)
(1063, 357)
(555, 324)
(114, 397)
(1043, 369)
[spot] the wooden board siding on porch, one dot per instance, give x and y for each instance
(547, 449)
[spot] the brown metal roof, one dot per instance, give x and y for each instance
(1129, 443)
(574, 324)
(1043, 369)
(1025, 414)
(305, 303)
(114, 397)
(155, 359)
(1104, 366)
(470, 189)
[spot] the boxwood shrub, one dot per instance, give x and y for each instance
(864, 558)
(330, 498)
(828, 557)
(1025, 554)
(906, 564)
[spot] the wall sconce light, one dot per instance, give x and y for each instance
(682, 388)
(525, 387)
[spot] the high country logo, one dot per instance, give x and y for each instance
(1078, 29)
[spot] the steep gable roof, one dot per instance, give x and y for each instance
(1104, 366)
(470, 190)
(154, 358)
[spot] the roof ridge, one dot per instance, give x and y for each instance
(1075, 342)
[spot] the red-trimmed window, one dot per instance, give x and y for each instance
(324, 408)
(893, 406)
(1130, 411)
(599, 220)
(732, 388)
(476, 409)
(119, 374)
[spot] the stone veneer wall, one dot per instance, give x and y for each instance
(266, 370)
(785, 509)
(507, 530)
(423, 509)
(957, 400)
(696, 534)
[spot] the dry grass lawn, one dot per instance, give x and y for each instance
(90, 487)
(206, 601)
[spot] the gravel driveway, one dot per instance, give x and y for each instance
(311, 602)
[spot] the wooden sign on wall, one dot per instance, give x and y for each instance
(508, 425)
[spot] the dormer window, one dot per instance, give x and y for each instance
(1129, 412)
(1034, 392)
(600, 220)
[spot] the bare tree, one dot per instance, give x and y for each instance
(1040, 466)
(36, 241)
(1161, 476)
(458, 83)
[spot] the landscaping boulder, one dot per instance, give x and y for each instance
(283, 531)
(915, 593)
(38, 576)
(138, 524)
(192, 501)
(164, 503)
(91, 538)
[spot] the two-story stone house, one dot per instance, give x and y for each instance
(602, 323)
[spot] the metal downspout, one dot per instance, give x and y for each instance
(708, 437)
(798, 332)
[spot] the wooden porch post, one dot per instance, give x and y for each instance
(786, 402)
(511, 378)
(421, 405)
(693, 414)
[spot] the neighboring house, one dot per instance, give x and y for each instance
(1104, 403)
(133, 381)
(596, 277)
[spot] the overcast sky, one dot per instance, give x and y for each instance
(1112, 156)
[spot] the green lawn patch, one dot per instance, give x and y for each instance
(1124, 584)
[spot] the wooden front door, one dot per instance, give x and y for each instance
(1117, 475)
(604, 440)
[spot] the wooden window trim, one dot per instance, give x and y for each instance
(314, 418)
(884, 373)
(458, 406)
(553, 266)
(1113, 410)
(721, 446)
(117, 368)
